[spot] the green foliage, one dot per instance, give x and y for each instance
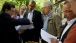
(39, 3)
(18, 3)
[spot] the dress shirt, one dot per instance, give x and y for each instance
(30, 15)
(64, 21)
(21, 15)
(46, 21)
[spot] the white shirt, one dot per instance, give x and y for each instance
(30, 15)
(67, 27)
(64, 21)
(21, 15)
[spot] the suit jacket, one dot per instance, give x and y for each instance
(54, 25)
(8, 34)
(68, 36)
(37, 19)
(71, 36)
(37, 23)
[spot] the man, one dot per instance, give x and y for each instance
(8, 34)
(32, 34)
(68, 34)
(52, 22)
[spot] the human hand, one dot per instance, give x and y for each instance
(53, 40)
(21, 31)
(31, 22)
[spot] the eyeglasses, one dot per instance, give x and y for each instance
(68, 11)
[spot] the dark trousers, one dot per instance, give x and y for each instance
(42, 41)
(29, 35)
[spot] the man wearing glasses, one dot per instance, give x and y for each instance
(68, 34)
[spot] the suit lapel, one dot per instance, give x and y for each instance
(33, 16)
(65, 34)
(26, 14)
(51, 17)
(63, 28)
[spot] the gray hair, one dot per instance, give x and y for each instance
(48, 3)
(32, 1)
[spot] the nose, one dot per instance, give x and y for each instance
(65, 15)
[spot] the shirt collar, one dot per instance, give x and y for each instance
(48, 14)
(31, 11)
(22, 14)
(71, 21)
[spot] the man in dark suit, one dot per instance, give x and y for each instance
(68, 34)
(8, 34)
(33, 33)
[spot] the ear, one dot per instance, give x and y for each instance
(34, 6)
(51, 8)
(6, 10)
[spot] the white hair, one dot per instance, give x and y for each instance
(48, 3)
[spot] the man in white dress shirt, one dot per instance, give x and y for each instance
(32, 33)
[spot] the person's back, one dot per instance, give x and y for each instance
(9, 34)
